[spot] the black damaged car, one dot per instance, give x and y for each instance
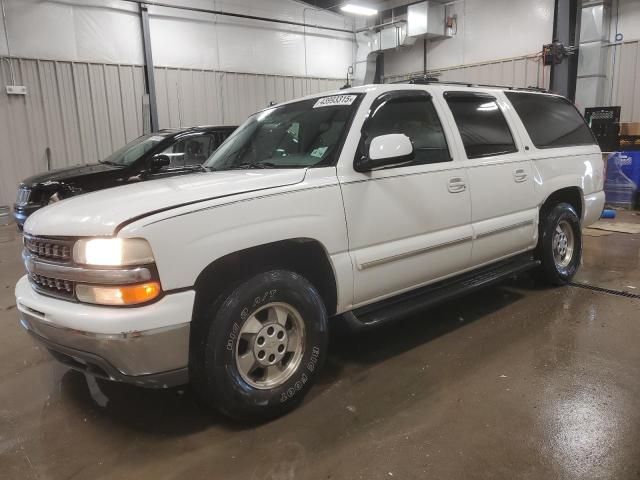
(156, 155)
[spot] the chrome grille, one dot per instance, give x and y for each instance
(23, 196)
(52, 286)
(49, 248)
(52, 251)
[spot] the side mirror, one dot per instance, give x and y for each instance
(158, 161)
(386, 150)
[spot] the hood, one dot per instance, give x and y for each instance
(68, 174)
(100, 213)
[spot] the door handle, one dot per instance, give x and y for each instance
(519, 175)
(457, 185)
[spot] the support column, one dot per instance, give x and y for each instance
(594, 37)
(566, 29)
(149, 76)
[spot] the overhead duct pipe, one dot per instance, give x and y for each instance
(423, 20)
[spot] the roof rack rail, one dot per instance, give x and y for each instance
(428, 80)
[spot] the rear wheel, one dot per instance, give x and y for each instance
(266, 342)
(560, 244)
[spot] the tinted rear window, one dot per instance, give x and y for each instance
(551, 121)
(482, 125)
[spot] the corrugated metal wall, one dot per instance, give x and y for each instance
(200, 97)
(81, 112)
(623, 87)
(526, 71)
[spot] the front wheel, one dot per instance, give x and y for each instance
(265, 345)
(560, 244)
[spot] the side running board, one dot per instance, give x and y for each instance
(408, 303)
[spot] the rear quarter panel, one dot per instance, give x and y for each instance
(557, 168)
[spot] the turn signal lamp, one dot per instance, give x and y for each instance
(122, 295)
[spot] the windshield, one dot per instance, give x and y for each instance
(297, 135)
(133, 150)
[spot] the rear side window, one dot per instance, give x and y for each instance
(551, 121)
(482, 126)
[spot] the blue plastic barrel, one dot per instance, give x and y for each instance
(631, 166)
(620, 190)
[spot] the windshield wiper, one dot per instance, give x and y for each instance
(107, 162)
(197, 168)
(247, 165)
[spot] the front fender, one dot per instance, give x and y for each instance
(187, 242)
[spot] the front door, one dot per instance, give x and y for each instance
(408, 225)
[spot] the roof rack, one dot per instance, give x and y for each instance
(427, 80)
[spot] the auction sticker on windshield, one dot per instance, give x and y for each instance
(335, 100)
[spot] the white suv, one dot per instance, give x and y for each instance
(369, 203)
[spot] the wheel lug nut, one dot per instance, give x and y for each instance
(272, 357)
(280, 348)
(260, 340)
(261, 354)
(270, 331)
(280, 335)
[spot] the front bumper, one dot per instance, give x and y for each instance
(147, 346)
(22, 212)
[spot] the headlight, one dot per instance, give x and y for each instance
(112, 252)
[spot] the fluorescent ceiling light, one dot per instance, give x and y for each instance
(358, 10)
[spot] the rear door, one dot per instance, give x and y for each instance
(408, 225)
(504, 212)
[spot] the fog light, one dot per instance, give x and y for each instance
(120, 295)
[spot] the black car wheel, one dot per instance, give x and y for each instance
(265, 345)
(560, 244)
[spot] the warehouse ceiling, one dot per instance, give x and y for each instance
(323, 3)
(380, 5)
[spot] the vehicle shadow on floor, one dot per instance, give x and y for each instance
(387, 341)
(177, 412)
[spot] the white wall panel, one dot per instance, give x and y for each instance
(131, 102)
(625, 19)
(109, 32)
(69, 109)
(622, 87)
(98, 98)
(487, 31)
(3, 42)
(86, 121)
(80, 112)
(196, 97)
(241, 45)
(520, 72)
(106, 31)
(52, 112)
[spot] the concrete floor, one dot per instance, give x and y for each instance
(511, 382)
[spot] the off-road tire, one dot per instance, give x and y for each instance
(218, 378)
(557, 225)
